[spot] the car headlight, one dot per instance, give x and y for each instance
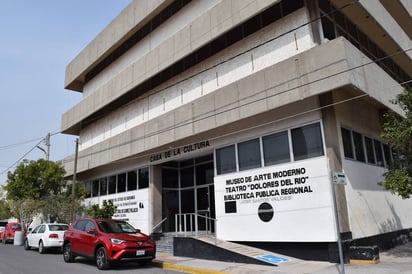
(117, 241)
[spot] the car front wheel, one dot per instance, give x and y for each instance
(101, 259)
(67, 253)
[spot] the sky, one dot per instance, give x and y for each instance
(38, 39)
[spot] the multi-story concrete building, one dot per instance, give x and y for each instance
(256, 120)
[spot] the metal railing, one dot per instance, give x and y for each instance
(158, 225)
(188, 223)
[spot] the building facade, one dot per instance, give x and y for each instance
(257, 121)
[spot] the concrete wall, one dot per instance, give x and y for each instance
(169, 97)
(205, 27)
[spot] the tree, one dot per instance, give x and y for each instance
(106, 212)
(38, 187)
(397, 132)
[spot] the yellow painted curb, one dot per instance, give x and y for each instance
(185, 269)
(352, 261)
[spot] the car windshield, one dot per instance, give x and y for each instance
(115, 227)
(58, 227)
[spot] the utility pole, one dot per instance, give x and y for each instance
(47, 142)
(72, 213)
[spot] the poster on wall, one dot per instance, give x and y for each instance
(284, 203)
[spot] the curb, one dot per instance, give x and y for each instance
(354, 261)
(186, 269)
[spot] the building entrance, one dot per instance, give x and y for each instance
(188, 195)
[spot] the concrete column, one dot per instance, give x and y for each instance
(155, 196)
(331, 130)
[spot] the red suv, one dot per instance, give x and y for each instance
(107, 240)
(11, 228)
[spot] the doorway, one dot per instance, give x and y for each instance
(188, 195)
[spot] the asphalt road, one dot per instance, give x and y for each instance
(16, 260)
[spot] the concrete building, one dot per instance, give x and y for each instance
(257, 121)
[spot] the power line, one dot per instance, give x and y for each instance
(21, 158)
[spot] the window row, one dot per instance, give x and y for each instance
(286, 146)
(364, 149)
(122, 182)
(335, 23)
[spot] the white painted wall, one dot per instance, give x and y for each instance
(373, 210)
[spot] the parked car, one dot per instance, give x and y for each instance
(11, 228)
(45, 236)
(106, 241)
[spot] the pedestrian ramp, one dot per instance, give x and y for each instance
(210, 248)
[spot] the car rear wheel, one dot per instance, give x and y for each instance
(101, 259)
(26, 244)
(67, 253)
(42, 250)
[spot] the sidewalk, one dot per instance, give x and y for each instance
(396, 260)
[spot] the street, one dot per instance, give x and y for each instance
(16, 260)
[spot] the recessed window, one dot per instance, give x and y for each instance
(276, 148)
(112, 184)
(249, 154)
(143, 178)
(369, 150)
(358, 144)
(103, 186)
(347, 143)
(379, 153)
(121, 182)
(307, 142)
(132, 180)
(226, 159)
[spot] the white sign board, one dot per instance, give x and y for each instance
(284, 203)
(131, 206)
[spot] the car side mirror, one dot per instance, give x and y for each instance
(138, 230)
(92, 231)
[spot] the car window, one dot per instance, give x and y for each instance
(115, 227)
(89, 225)
(36, 229)
(80, 225)
(58, 227)
(42, 229)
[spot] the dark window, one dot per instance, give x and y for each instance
(132, 180)
(369, 150)
(95, 188)
(187, 177)
(358, 144)
(226, 159)
(347, 143)
(121, 182)
(276, 148)
(378, 153)
(103, 186)
(230, 207)
(307, 142)
(143, 178)
(112, 184)
(249, 154)
(88, 186)
(204, 174)
(170, 178)
(387, 155)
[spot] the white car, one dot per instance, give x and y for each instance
(45, 236)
